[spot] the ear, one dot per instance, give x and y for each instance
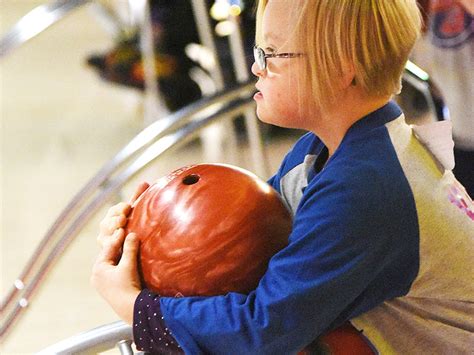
(348, 76)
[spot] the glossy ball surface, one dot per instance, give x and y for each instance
(208, 229)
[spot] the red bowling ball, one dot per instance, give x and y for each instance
(208, 229)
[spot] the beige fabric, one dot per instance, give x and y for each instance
(437, 315)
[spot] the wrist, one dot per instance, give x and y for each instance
(124, 305)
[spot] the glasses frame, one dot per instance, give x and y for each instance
(260, 56)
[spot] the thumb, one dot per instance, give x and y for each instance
(139, 191)
(130, 250)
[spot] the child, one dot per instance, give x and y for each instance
(383, 233)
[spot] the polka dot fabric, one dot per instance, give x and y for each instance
(149, 328)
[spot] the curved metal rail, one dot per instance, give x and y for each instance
(36, 21)
(74, 217)
(95, 341)
(153, 141)
(422, 82)
(143, 139)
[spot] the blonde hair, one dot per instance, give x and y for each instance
(374, 37)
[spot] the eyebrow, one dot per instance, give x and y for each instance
(271, 36)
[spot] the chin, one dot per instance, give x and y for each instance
(273, 122)
(273, 119)
(265, 117)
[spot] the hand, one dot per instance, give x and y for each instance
(115, 274)
(116, 217)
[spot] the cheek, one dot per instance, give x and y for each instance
(284, 100)
(290, 99)
(281, 106)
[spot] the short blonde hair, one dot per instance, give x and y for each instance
(373, 36)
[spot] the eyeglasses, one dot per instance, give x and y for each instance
(261, 57)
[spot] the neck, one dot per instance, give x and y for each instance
(335, 121)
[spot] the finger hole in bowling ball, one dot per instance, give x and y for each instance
(191, 179)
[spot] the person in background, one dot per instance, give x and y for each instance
(447, 53)
(174, 29)
(382, 230)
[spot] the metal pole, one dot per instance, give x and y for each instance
(207, 39)
(213, 138)
(125, 347)
(155, 107)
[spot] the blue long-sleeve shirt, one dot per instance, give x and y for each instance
(355, 245)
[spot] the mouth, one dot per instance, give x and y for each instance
(258, 95)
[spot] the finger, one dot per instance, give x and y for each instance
(111, 250)
(109, 225)
(117, 222)
(140, 189)
(121, 208)
(130, 250)
(104, 238)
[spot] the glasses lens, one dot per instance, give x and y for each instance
(259, 56)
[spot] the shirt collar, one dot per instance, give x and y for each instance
(377, 118)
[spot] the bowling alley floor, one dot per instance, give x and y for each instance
(59, 124)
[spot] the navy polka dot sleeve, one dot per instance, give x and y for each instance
(149, 328)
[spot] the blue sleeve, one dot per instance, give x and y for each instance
(346, 255)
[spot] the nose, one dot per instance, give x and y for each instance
(256, 70)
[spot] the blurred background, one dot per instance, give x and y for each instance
(64, 114)
(75, 94)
